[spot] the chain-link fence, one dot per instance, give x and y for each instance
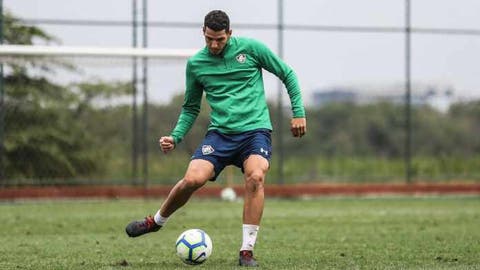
(381, 106)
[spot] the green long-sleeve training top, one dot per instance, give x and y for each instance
(233, 84)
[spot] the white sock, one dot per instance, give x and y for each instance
(159, 219)
(249, 236)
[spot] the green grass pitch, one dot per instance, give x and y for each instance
(323, 233)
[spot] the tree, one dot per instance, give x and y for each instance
(45, 136)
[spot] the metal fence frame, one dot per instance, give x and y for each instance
(139, 130)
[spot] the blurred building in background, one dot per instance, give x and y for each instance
(439, 99)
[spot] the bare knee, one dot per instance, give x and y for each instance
(254, 181)
(198, 173)
(192, 182)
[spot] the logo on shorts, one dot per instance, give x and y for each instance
(207, 149)
(241, 58)
(263, 151)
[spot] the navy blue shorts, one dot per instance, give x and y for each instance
(233, 149)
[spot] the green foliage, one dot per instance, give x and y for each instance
(47, 128)
(46, 135)
(323, 233)
(339, 145)
(17, 32)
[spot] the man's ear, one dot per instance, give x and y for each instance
(230, 32)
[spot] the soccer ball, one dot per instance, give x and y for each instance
(228, 194)
(194, 246)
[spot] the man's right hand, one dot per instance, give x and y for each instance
(166, 143)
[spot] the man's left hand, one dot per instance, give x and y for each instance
(298, 126)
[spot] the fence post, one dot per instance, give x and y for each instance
(408, 107)
(134, 98)
(2, 106)
(280, 120)
(145, 96)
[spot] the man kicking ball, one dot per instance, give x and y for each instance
(229, 71)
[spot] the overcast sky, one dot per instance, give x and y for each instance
(321, 59)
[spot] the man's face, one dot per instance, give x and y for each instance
(216, 40)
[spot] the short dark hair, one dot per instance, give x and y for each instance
(217, 20)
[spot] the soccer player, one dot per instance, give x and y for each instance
(229, 71)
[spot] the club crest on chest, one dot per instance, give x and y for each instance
(241, 58)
